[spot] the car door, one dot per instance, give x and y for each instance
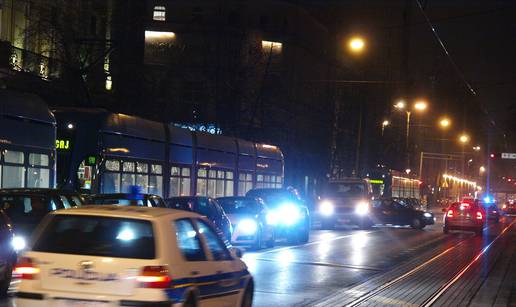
(402, 214)
(203, 207)
(386, 212)
(226, 289)
(196, 269)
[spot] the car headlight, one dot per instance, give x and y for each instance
(287, 214)
(362, 208)
(326, 208)
(248, 226)
(428, 215)
(18, 243)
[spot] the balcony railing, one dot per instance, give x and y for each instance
(33, 63)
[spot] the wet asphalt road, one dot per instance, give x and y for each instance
(347, 258)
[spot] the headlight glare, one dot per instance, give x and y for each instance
(248, 226)
(362, 208)
(326, 208)
(18, 243)
(426, 214)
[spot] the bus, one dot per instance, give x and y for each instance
(395, 184)
(103, 152)
(27, 141)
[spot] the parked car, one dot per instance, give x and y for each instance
(127, 199)
(391, 211)
(139, 256)
(205, 206)
(7, 253)
(288, 213)
(248, 217)
(27, 207)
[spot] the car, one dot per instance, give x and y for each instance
(393, 212)
(130, 256)
(26, 208)
(468, 216)
(288, 213)
(509, 207)
(345, 201)
(205, 206)
(248, 217)
(491, 211)
(7, 253)
(127, 199)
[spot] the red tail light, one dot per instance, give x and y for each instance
(479, 215)
(154, 277)
(450, 213)
(25, 269)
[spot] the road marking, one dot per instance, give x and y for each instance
(314, 242)
(431, 300)
(337, 265)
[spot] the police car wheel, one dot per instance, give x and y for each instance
(190, 301)
(247, 298)
(6, 280)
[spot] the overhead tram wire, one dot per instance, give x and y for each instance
(467, 84)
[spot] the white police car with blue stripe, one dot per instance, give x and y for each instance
(130, 256)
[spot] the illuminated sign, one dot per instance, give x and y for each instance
(63, 144)
(508, 155)
(376, 181)
(92, 160)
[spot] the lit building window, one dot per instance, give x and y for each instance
(159, 37)
(159, 13)
(275, 47)
(109, 83)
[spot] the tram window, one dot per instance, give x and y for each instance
(38, 178)
(268, 181)
(38, 159)
(128, 167)
(156, 169)
(245, 183)
(128, 180)
(13, 176)
(142, 180)
(156, 185)
(111, 183)
(142, 168)
(15, 157)
(179, 181)
(112, 165)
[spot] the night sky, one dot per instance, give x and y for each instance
(480, 37)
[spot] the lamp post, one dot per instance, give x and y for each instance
(463, 139)
(419, 106)
(385, 123)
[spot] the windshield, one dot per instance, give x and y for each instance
(239, 206)
(181, 203)
(345, 190)
(99, 236)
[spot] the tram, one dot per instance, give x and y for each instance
(103, 152)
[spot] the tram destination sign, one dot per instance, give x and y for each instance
(509, 155)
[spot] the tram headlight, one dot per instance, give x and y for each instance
(362, 208)
(326, 208)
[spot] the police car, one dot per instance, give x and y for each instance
(130, 256)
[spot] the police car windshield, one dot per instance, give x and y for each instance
(99, 236)
(345, 189)
(273, 197)
(239, 206)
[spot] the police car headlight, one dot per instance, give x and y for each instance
(248, 226)
(326, 208)
(18, 243)
(272, 218)
(362, 208)
(428, 215)
(289, 214)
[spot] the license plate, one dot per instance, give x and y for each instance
(80, 303)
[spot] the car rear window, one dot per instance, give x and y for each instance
(117, 201)
(97, 236)
(464, 206)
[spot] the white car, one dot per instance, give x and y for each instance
(130, 256)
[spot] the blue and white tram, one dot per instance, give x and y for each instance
(27, 141)
(103, 152)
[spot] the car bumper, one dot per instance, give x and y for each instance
(58, 299)
(344, 218)
(463, 224)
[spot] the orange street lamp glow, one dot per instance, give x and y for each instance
(356, 44)
(445, 123)
(400, 105)
(464, 138)
(420, 105)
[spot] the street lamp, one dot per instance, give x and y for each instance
(444, 123)
(476, 148)
(482, 169)
(385, 123)
(464, 138)
(419, 106)
(356, 44)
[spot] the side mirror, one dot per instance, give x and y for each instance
(236, 252)
(443, 209)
